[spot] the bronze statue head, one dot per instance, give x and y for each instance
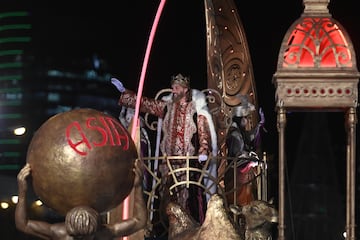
(82, 221)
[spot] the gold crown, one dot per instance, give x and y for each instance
(181, 80)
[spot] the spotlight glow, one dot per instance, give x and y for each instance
(38, 203)
(4, 205)
(15, 199)
(19, 131)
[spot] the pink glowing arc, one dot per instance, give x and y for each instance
(140, 89)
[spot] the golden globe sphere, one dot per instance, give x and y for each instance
(82, 157)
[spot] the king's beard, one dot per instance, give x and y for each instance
(177, 97)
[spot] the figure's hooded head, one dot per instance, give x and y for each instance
(244, 108)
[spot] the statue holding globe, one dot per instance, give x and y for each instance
(82, 163)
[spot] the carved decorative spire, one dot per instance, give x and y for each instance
(316, 7)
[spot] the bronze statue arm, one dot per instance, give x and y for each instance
(36, 228)
(139, 219)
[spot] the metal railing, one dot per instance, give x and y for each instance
(206, 180)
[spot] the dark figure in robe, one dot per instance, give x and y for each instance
(242, 145)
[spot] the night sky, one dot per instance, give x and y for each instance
(119, 34)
